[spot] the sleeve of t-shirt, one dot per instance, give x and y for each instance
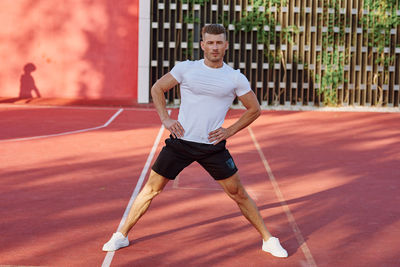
(178, 70)
(243, 85)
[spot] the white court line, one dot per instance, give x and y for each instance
(108, 259)
(292, 221)
(65, 133)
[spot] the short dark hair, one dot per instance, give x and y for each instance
(213, 29)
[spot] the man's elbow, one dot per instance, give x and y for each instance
(257, 111)
(155, 90)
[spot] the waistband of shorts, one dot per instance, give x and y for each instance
(222, 143)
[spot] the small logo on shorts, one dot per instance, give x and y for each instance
(230, 163)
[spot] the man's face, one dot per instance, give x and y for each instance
(214, 46)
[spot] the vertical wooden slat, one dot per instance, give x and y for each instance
(313, 42)
(285, 89)
(352, 28)
(289, 60)
(295, 51)
(269, 64)
(363, 61)
(307, 52)
(396, 89)
(356, 53)
(369, 68)
(391, 69)
(340, 46)
(303, 87)
(153, 49)
(277, 73)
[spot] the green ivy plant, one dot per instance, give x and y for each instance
(379, 20)
(332, 77)
(331, 58)
(257, 19)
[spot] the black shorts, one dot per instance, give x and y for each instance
(178, 154)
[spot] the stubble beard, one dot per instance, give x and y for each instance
(211, 58)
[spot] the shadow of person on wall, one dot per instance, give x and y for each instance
(27, 83)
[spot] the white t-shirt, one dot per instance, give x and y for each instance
(206, 95)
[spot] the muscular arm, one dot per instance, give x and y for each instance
(253, 110)
(164, 84)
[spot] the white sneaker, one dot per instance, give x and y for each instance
(117, 241)
(273, 246)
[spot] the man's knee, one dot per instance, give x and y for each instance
(235, 190)
(239, 194)
(151, 191)
(154, 185)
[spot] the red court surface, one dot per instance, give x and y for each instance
(326, 184)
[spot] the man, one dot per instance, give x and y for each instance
(208, 88)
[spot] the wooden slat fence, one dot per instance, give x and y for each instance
(299, 52)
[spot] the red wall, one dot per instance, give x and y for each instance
(82, 49)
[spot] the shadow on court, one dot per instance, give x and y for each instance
(338, 172)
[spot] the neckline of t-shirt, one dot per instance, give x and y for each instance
(204, 64)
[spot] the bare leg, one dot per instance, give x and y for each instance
(152, 188)
(235, 190)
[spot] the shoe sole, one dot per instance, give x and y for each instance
(122, 246)
(275, 255)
